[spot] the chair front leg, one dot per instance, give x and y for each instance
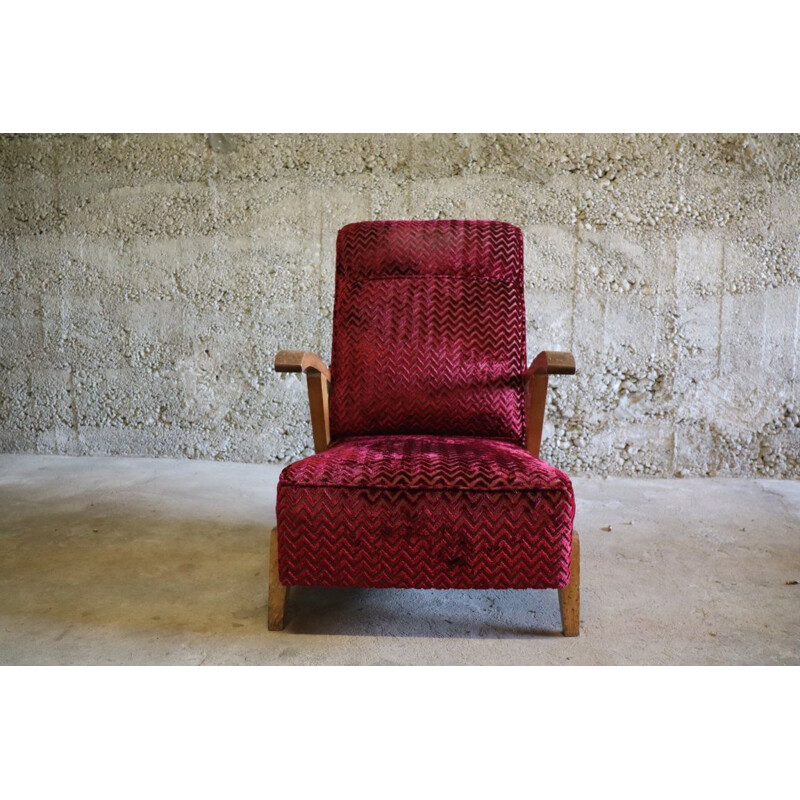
(569, 598)
(276, 599)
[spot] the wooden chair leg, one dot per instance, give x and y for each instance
(569, 598)
(276, 600)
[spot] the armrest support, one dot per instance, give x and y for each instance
(548, 362)
(318, 376)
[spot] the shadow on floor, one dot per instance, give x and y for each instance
(423, 613)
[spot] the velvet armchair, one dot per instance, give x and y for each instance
(427, 427)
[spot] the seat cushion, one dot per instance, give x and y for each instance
(446, 512)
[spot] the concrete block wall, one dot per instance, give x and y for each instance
(146, 282)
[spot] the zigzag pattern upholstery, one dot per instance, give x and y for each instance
(429, 329)
(445, 512)
(426, 483)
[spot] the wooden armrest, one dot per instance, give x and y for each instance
(552, 362)
(300, 361)
(548, 362)
(319, 376)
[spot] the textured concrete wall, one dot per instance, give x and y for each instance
(147, 281)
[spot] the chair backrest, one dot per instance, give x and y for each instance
(429, 329)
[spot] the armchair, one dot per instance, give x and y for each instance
(427, 470)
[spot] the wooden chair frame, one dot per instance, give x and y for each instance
(548, 362)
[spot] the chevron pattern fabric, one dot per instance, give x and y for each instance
(426, 483)
(424, 512)
(429, 329)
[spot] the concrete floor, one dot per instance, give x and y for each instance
(145, 561)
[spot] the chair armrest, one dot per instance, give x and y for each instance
(300, 361)
(318, 377)
(552, 362)
(548, 362)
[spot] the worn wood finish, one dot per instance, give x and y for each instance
(276, 598)
(300, 361)
(318, 377)
(536, 398)
(569, 598)
(548, 362)
(318, 404)
(553, 362)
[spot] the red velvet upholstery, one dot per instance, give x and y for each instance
(426, 483)
(429, 329)
(448, 512)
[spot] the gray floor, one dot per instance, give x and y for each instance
(144, 561)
